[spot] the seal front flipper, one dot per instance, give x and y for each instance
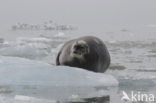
(57, 58)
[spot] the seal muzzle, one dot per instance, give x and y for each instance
(80, 48)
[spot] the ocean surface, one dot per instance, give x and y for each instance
(132, 50)
(127, 27)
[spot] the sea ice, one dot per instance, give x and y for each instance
(25, 51)
(19, 71)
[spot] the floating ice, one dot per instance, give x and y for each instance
(38, 48)
(27, 99)
(132, 74)
(3, 42)
(25, 51)
(60, 34)
(32, 48)
(23, 40)
(18, 71)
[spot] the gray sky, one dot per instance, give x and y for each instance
(81, 12)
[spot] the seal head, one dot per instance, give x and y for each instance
(79, 49)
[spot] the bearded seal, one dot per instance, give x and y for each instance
(86, 52)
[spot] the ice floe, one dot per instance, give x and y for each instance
(18, 71)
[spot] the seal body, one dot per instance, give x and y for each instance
(87, 52)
